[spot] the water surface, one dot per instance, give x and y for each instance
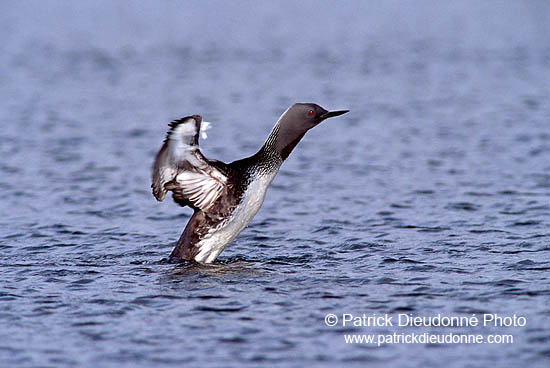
(432, 196)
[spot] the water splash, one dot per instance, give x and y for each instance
(204, 127)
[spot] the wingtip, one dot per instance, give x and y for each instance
(184, 128)
(175, 123)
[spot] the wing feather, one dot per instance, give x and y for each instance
(180, 167)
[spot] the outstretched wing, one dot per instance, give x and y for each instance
(181, 167)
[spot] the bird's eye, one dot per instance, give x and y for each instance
(310, 113)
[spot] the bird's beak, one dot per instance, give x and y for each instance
(331, 114)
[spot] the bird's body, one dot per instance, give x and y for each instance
(225, 197)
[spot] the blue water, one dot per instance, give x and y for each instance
(432, 196)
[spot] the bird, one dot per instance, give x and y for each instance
(224, 197)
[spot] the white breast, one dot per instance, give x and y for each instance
(214, 243)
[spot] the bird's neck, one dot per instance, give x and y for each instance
(280, 142)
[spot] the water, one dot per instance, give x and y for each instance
(432, 196)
